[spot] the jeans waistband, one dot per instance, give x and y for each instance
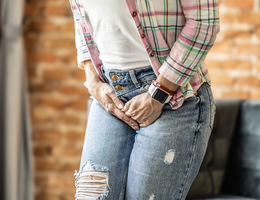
(134, 75)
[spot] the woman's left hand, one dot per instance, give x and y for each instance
(143, 108)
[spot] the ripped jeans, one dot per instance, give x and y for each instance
(156, 162)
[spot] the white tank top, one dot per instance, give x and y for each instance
(116, 35)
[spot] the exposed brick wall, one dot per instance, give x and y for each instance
(59, 99)
(234, 61)
(57, 95)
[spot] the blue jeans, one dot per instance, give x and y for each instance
(156, 162)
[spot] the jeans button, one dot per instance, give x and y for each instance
(114, 77)
(118, 87)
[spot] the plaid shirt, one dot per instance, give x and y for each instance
(177, 36)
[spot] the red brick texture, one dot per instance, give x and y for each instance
(58, 98)
(234, 61)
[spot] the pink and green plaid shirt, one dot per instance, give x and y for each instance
(176, 34)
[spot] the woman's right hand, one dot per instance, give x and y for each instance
(106, 96)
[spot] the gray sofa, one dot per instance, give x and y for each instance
(231, 167)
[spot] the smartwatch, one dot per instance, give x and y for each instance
(160, 93)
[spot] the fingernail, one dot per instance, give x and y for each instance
(136, 127)
(120, 106)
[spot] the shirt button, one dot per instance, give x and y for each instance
(114, 77)
(142, 35)
(134, 13)
(118, 87)
(152, 54)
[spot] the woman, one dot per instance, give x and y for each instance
(153, 110)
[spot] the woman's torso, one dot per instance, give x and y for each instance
(115, 34)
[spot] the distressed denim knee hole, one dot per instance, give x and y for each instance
(92, 182)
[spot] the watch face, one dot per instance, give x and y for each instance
(160, 95)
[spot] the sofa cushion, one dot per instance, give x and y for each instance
(210, 176)
(243, 171)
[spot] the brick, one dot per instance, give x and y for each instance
(31, 72)
(52, 102)
(68, 57)
(79, 74)
(249, 49)
(79, 104)
(40, 26)
(46, 135)
(74, 136)
(55, 164)
(248, 4)
(56, 74)
(42, 151)
(222, 79)
(41, 57)
(236, 94)
(41, 114)
(229, 64)
(241, 17)
(255, 94)
(228, 18)
(66, 150)
(41, 87)
(56, 180)
(237, 34)
(67, 119)
(250, 80)
(57, 10)
(53, 195)
(46, 165)
(73, 90)
(223, 47)
(35, 10)
(236, 64)
(249, 18)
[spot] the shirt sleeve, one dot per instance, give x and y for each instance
(193, 43)
(80, 42)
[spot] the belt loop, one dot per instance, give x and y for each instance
(133, 77)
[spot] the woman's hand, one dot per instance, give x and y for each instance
(143, 108)
(106, 96)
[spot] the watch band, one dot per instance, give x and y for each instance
(162, 87)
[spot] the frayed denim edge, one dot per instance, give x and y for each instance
(97, 167)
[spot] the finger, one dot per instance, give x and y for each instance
(148, 121)
(139, 116)
(121, 115)
(112, 109)
(132, 110)
(109, 107)
(127, 106)
(145, 123)
(142, 125)
(116, 100)
(140, 119)
(139, 113)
